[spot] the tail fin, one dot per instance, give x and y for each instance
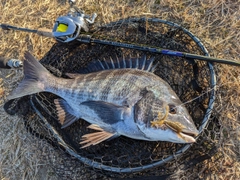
(34, 78)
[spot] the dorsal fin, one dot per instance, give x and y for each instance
(141, 63)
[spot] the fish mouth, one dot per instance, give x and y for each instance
(188, 132)
(187, 138)
(187, 135)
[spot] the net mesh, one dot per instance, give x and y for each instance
(193, 81)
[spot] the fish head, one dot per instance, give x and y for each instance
(164, 118)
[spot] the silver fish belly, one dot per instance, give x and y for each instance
(116, 101)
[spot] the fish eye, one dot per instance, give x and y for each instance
(172, 109)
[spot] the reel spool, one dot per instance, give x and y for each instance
(68, 28)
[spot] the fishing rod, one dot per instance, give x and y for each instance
(75, 26)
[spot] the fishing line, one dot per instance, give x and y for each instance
(201, 95)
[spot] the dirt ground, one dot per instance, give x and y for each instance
(215, 22)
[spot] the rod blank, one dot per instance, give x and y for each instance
(88, 39)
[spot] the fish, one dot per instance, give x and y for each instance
(118, 97)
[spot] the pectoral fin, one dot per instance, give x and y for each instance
(96, 137)
(107, 112)
(65, 113)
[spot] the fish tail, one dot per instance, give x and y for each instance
(35, 78)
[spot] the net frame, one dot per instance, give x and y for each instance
(97, 165)
(101, 166)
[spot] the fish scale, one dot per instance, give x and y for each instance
(83, 89)
(98, 86)
(127, 84)
(131, 101)
(102, 88)
(108, 83)
(114, 85)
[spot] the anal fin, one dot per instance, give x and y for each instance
(64, 112)
(96, 137)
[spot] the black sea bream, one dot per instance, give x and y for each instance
(122, 97)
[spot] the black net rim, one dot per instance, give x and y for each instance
(212, 96)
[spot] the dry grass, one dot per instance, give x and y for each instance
(216, 22)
